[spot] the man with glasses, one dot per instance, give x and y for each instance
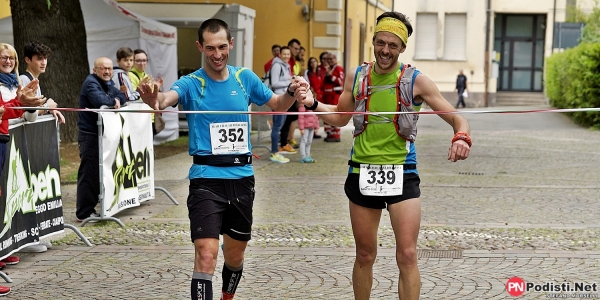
(138, 76)
(138, 71)
(98, 89)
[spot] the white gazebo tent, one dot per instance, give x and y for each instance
(110, 26)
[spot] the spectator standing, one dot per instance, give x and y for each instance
(97, 90)
(324, 66)
(294, 45)
(36, 59)
(333, 85)
(138, 75)
(221, 182)
(461, 87)
(307, 123)
(300, 58)
(276, 51)
(138, 71)
(121, 73)
(281, 77)
(27, 97)
(289, 126)
(9, 78)
(315, 78)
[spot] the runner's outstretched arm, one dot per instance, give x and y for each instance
(284, 101)
(155, 99)
(345, 104)
(426, 91)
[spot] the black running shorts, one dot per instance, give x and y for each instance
(221, 206)
(409, 191)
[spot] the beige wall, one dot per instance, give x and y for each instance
(4, 8)
(444, 72)
(278, 21)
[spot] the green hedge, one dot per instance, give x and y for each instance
(573, 81)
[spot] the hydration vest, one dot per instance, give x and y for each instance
(237, 79)
(406, 124)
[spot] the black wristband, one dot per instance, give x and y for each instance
(288, 90)
(314, 106)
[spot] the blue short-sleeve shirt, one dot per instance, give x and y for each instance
(226, 95)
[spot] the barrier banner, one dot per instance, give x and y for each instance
(31, 200)
(127, 159)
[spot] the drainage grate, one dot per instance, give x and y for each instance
(469, 173)
(423, 253)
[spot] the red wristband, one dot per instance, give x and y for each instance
(462, 136)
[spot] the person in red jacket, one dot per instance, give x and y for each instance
(332, 89)
(324, 66)
(276, 50)
(25, 97)
(314, 76)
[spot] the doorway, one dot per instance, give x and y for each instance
(519, 41)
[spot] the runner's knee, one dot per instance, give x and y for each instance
(366, 255)
(406, 256)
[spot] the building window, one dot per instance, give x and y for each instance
(426, 36)
(455, 37)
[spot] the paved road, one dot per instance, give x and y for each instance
(524, 204)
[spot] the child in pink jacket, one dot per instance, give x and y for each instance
(307, 123)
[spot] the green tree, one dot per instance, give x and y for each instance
(58, 24)
(591, 31)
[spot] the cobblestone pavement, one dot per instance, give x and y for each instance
(526, 203)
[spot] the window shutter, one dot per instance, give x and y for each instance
(455, 37)
(425, 31)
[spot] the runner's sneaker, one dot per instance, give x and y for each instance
(90, 221)
(11, 260)
(4, 290)
(278, 158)
(287, 149)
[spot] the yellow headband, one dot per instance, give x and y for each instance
(394, 26)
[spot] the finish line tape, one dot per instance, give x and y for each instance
(220, 112)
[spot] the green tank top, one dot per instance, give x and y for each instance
(380, 143)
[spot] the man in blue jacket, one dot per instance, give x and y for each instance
(98, 89)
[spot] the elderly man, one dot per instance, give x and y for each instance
(97, 90)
